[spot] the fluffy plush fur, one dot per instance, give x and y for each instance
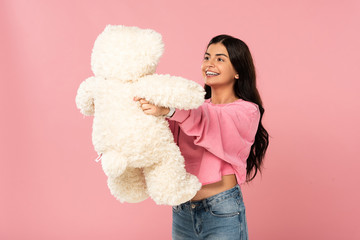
(139, 155)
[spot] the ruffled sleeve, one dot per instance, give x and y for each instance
(225, 130)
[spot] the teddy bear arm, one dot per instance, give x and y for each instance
(85, 97)
(170, 91)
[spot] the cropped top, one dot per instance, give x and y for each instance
(215, 139)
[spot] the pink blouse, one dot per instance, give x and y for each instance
(215, 139)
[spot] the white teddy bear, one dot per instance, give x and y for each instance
(138, 151)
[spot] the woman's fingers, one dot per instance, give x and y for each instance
(143, 101)
(148, 109)
(146, 106)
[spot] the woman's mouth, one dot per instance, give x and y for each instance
(211, 74)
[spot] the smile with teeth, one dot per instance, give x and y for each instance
(209, 73)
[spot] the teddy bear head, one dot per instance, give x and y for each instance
(126, 53)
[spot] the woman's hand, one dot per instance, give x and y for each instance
(151, 109)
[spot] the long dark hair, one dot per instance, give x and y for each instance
(245, 88)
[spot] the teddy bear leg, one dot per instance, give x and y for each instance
(169, 183)
(113, 163)
(129, 187)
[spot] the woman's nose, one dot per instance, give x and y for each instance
(209, 63)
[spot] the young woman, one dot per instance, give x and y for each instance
(223, 143)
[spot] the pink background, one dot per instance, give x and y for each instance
(307, 59)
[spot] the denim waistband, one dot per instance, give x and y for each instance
(208, 202)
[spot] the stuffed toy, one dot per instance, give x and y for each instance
(138, 152)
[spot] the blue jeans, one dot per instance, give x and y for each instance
(221, 216)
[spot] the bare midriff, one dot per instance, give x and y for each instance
(227, 182)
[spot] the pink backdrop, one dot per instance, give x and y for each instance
(307, 59)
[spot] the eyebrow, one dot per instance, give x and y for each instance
(219, 54)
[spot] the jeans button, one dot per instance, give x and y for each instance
(193, 206)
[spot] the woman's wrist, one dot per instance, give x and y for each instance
(169, 112)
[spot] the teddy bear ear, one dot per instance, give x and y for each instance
(155, 44)
(136, 50)
(110, 27)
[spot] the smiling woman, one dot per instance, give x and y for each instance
(223, 143)
(218, 71)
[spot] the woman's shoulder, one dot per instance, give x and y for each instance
(234, 107)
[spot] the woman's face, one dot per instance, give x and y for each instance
(216, 67)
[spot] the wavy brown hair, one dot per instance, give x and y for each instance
(245, 88)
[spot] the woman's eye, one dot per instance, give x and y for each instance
(220, 59)
(206, 58)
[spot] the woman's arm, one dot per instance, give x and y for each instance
(227, 132)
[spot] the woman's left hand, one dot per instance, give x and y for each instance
(151, 109)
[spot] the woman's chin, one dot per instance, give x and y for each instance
(209, 81)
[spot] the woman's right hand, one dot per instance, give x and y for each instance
(151, 109)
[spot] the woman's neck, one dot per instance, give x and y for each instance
(222, 96)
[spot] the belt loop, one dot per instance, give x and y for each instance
(206, 206)
(240, 192)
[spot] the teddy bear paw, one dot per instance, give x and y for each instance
(125, 190)
(113, 164)
(175, 192)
